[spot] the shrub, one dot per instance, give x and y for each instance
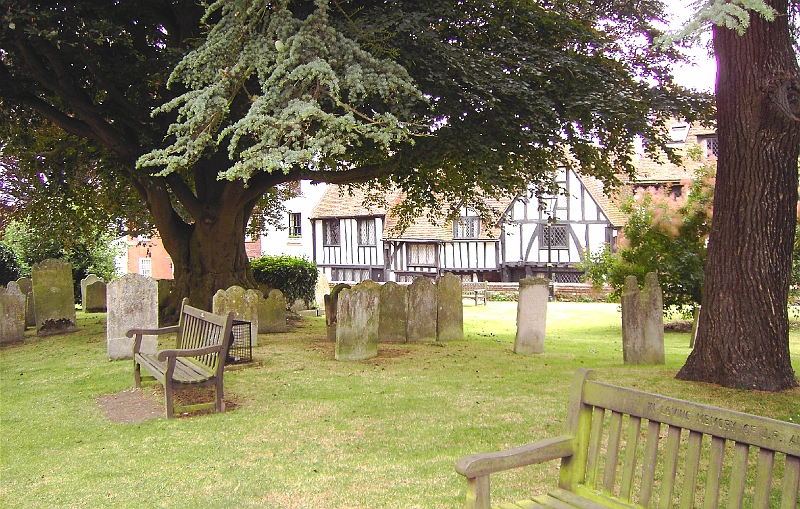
(9, 268)
(295, 277)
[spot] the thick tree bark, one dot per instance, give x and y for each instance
(743, 335)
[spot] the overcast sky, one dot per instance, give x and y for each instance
(702, 75)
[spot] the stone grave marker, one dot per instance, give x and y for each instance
(323, 288)
(393, 313)
(357, 318)
(450, 309)
(422, 310)
(331, 306)
(26, 287)
(243, 303)
(131, 303)
(531, 315)
(54, 297)
(642, 321)
(93, 294)
(12, 314)
(272, 313)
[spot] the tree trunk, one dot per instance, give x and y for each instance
(743, 335)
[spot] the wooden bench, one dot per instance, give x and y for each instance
(476, 290)
(198, 359)
(630, 449)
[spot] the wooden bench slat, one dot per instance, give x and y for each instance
(649, 462)
(738, 475)
(614, 435)
(670, 467)
(714, 479)
(766, 463)
(693, 452)
(791, 483)
(529, 504)
(575, 500)
(629, 465)
(595, 443)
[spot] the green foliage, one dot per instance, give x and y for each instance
(9, 268)
(663, 235)
(295, 277)
(30, 246)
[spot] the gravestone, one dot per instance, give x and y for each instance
(53, 297)
(322, 289)
(26, 287)
(531, 315)
(450, 309)
(357, 318)
(243, 303)
(393, 313)
(93, 294)
(12, 314)
(272, 313)
(131, 303)
(642, 321)
(331, 306)
(421, 310)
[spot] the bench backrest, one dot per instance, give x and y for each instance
(471, 286)
(198, 329)
(662, 452)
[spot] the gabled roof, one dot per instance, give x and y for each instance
(596, 190)
(339, 202)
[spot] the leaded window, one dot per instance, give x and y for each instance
(467, 227)
(554, 236)
(330, 232)
(366, 232)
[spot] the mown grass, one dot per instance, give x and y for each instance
(310, 432)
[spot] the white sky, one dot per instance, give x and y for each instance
(702, 75)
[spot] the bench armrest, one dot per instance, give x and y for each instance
(479, 465)
(191, 352)
(139, 333)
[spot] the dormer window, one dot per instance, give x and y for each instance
(678, 134)
(467, 227)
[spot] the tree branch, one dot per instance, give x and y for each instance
(185, 195)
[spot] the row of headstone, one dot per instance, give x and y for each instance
(369, 313)
(54, 297)
(642, 321)
(12, 314)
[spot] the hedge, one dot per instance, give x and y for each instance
(295, 277)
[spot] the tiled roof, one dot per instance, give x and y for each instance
(339, 202)
(425, 228)
(660, 170)
(595, 188)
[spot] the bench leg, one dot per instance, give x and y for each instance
(137, 374)
(219, 394)
(168, 397)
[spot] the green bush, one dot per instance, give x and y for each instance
(295, 277)
(9, 268)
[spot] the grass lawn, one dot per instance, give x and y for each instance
(310, 432)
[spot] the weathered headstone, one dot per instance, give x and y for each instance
(421, 310)
(54, 297)
(323, 288)
(393, 313)
(331, 306)
(26, 287)
(93, 294)
(131, 303)
(642, 321)
(357, 318)
(272, 313)
(531, 315)
(243, 303)
(450, 309)
(12, 314)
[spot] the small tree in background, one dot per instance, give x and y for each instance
(665, 235)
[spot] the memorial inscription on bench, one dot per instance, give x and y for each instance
(744, 428)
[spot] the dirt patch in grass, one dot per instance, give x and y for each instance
(137, 405)
(130, 407)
